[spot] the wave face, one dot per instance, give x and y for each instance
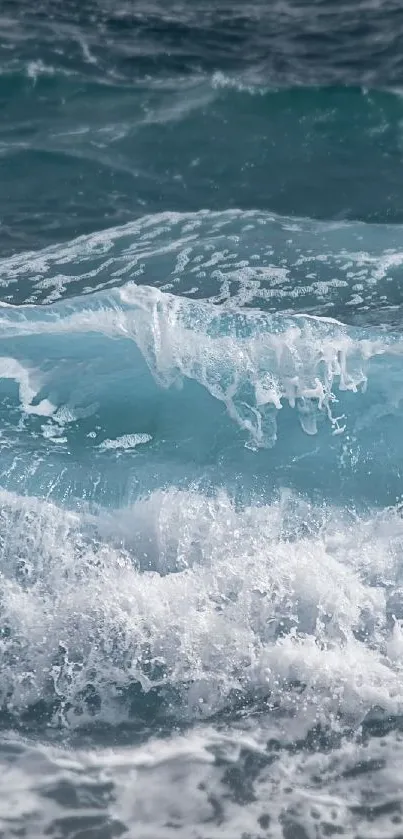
(172, 147)
(201, 395)
(200, 538)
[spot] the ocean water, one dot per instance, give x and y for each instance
(201, 414)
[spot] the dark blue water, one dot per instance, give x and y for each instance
(201, 397)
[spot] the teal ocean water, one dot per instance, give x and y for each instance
(201, 404)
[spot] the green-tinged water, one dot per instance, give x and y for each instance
(201, 278)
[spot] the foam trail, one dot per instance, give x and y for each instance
(128, 441)
(246, 258)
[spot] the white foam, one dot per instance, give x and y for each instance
(250, 361)
(127, 441)
(289, 606)
(186, 594)
(242, 257)
(211, 782)
(242, 84)
(29, 383)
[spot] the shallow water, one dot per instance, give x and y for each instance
(201, 277)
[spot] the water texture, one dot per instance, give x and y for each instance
(201, 397)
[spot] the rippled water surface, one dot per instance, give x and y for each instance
(201, 397)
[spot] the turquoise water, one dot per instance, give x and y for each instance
(201, 285)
